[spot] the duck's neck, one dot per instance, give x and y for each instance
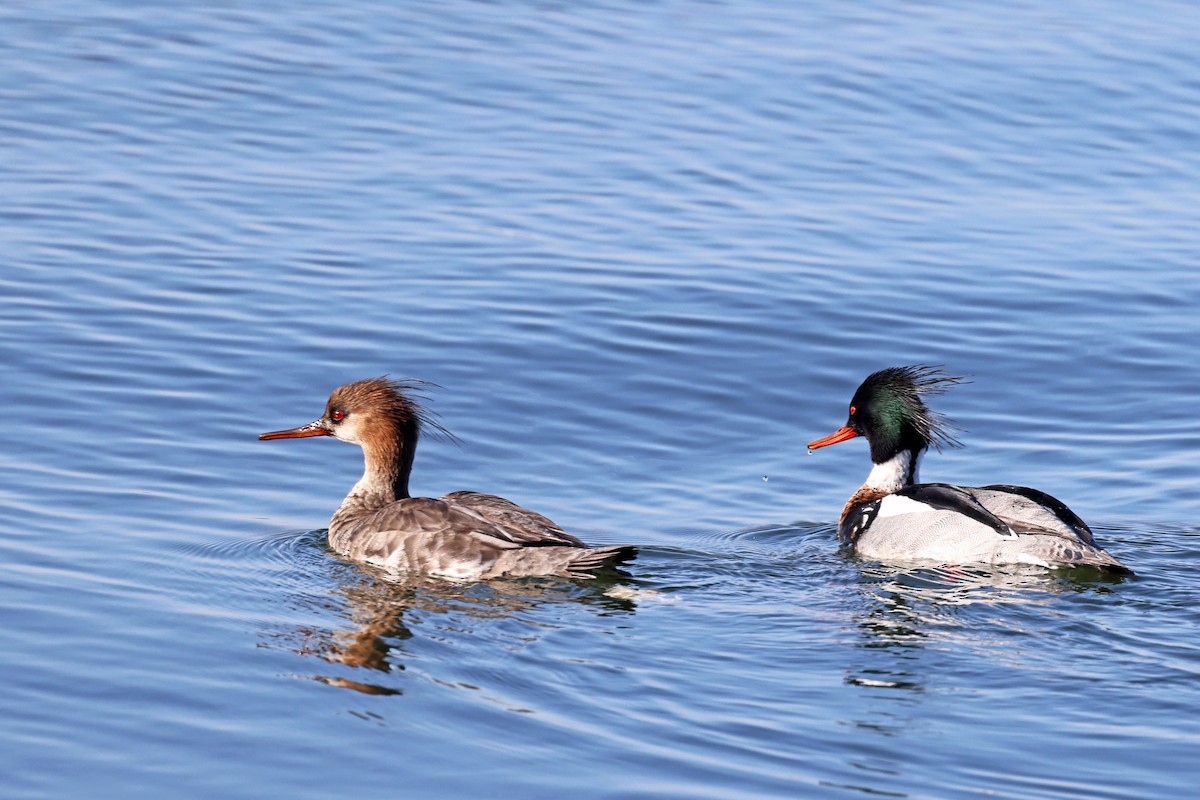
(895, 473)
(388, 463)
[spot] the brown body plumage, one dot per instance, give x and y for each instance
(463, 535)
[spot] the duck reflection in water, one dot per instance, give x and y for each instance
(385, 612)
(905, 610)
(920, 628)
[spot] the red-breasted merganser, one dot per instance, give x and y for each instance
(463, 535)
(892, 517)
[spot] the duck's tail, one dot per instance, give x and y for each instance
(591, 559)
(1059, 552)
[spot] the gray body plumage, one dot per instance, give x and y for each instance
(463, 535)
(1007, 528)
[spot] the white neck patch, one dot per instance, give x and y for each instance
(894, 475)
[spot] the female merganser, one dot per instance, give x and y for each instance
(464, 535)
(892, 517)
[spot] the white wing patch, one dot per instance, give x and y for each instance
(894, 505)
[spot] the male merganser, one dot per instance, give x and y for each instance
(892, 517)
(464, 535)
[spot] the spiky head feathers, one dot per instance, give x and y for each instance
(889, 409)
(381, 407)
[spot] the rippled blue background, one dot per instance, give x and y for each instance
(648, 251)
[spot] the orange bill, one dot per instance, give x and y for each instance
(840, 435)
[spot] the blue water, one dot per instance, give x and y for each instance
(647, 251)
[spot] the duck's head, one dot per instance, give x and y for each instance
(375, 414)
(889, 411)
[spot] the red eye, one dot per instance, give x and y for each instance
(337, 414)
(852, 410)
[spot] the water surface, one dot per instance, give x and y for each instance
(647, 252)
